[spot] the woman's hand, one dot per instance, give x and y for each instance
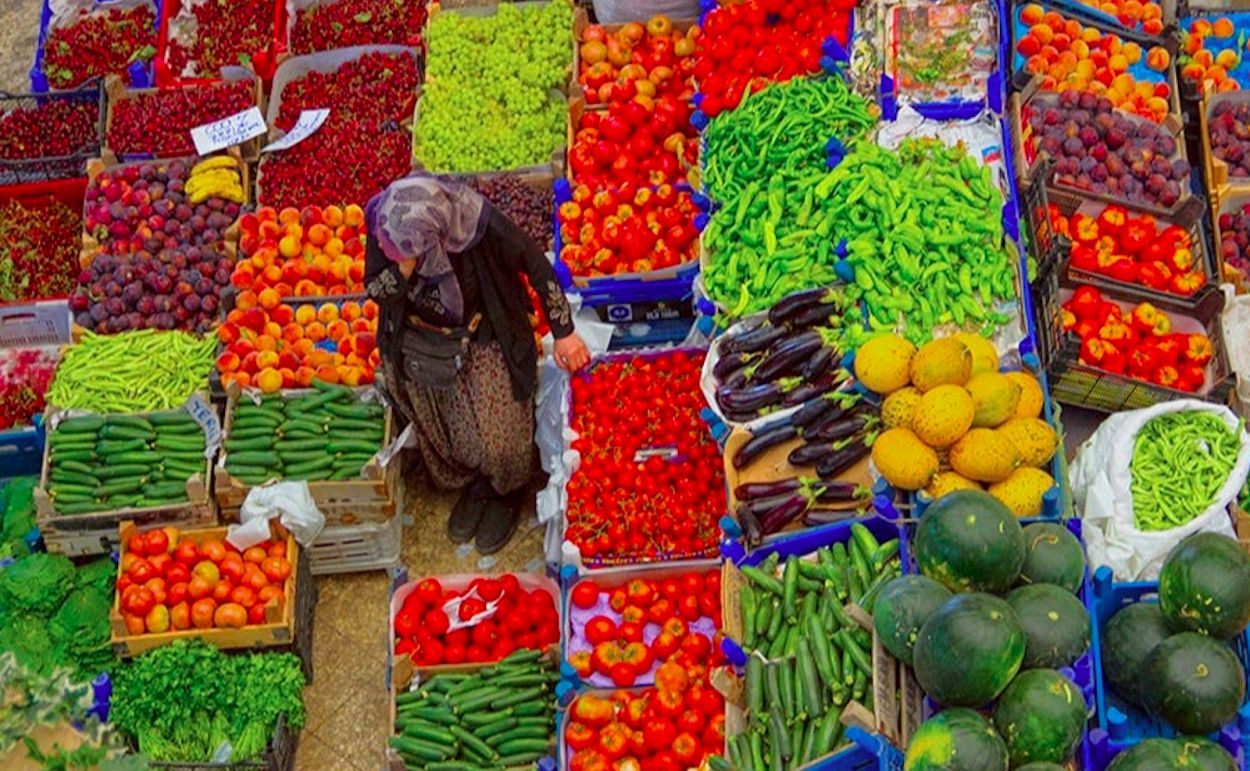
(571, 353)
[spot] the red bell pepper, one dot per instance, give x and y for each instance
(1083, 258)
(1093, 350)
(1174, 235)
(1167, 376)
(1143, 360)
(1084, 229)
(1181, 259)
(1122, 268)
(1155, 275)
(1112, 219)
(1192, 378)
(1115, 361)
(1059, 222)
(1188, 283)
(1167, 347)
(1069, 319)
(1085, 302)
(1197, 350)
(1116, 331)
(1134, 236)
(1144, 317)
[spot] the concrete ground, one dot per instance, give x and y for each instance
(19, 29)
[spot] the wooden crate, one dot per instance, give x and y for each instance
(81, 535)
(278, 629)
(348, 501)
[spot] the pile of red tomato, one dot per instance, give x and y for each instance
(650, 485)
(627, 229)
(750, 44)
(672, 726)
(521, 619)
(645, 623)
(634, 144)
(178, 582)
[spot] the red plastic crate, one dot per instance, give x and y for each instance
(70, 192)
(263, 62)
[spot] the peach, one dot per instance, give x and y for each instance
(269, 380)
(319, 234)
(245, 300)
(241, 379)
(272, 329)
(375, 357)
(242, 347)
(1158, 58)
(363, 325)
(243, 276)
(327, 374)
(272, 275)
(333, 247)
(1031, 14)
(350, 310)
(316, 357)
(1204, 58)
(269, 299)
(267, 214)
(303, 346)
(304, 376)
(266, 344)
(249, 362)
(310, 215)
(327, 312)
(1228, 84)
(292, 271)
(270, 230)
(288, 377)
(292, 333)
(249, 243)
(288, 216)
(1222, 28)
(283, 288)
(1193, 71)
(353, 216)
(1200, 27)
(306, 288)
(228, 362)
(316, 331)
(349, 376)
(337, 330)
(289, 246)
(1153, 27)
(267, 357)
(1131, 53)
(332, 216)
(305, 314)
(1227, 59)
(227, 333)
(344, 348)
(370, 309)
(282, 315)
(363, 344)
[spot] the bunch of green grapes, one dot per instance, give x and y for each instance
(492, 98)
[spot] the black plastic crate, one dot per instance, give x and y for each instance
(278, 756)
(1083, 385)
(1046, 245)
(45, 169)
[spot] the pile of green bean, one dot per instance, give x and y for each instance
(764, 161)
(923, 231)
(1180, 462)
(139, 371)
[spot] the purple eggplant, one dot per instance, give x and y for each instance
(811, 411)
(843, 407)
(798, 302)
(847, 426)
(752, 398)
(838, 461)
(781, 512)
(821, 363)
(806, 392)
(785, 357)
(814, 517)
(727, 365)
(754, 490)
(760, 442)
(753, 340)
(815, 316)
(750, 525)
(807, 454)
(836, 492)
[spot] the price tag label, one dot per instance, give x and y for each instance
(206, 416)
(667, 453)
(307, 125)
(229, 131)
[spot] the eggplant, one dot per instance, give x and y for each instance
(840, 460)
(808, 454)
(806, 392)
(837, 492)
(781, 512)
(787, 355)
(813, 517)
(815, 316)
(820, 364)
(840, 410)
(847, 426)
(760, 442)
(798, 302)
(735, 381)
(749, 491)
(750, 525)
(753, 340)
(752, 398)
(727, 365)
(811, 411)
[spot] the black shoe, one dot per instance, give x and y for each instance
(466, 515)
(500, 518)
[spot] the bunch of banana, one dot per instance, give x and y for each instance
(215, 177)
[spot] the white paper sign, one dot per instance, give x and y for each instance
(308, 123)
(206, 416)
(235, 129)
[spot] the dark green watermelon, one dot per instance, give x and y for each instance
(1204, 586)
(1052, 555)
(901, 607)
(1127, 639)
(1055, 623)
(968, 650)
(1202, 754)
(956, 740)
(1041, 717)
(1042, 766)
(1149, 755)
(1193, 682)
(969, 541)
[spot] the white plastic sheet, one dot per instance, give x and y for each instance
(290, 502)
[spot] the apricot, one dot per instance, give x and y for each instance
(267, 214)
(289, 246)
(319, 234)
(272, 275)
(304, 376)
(269, 299)
(1200, 27)
(292, 333)
(371, 309)
(269, 230)
(241, 379)
(1227, 59)
(303, 345)
(1228, 84)
(1193, 71)
(349, 376)
(1131, 53)
(336, 330)
(1204, 58)
(317, 357)
(266, 344)
(333, 247)
(1152, 27)
(350, 310)
(227, 333)
(327, 312)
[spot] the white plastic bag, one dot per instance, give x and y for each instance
(291, 502)
(1236, 322)
(1102, 494)
(621, 11)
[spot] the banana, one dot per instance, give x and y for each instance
(231, 192)
(210, 179)
(216, 162)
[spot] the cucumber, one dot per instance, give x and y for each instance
(355, 411)
(184, 466)
(138, 456)
(70, 489)
(189, 444)
(352, 446)
(123, 470)
(339, 391)
(258, 458)
(355, 460)
(259, 416)
(61, 441)
(300, 434)
(80, 507)
(257, 443)
(111, 431)
(249, 471)
(293, 457)
(129, 421)
(251, 433)
(353, 424)
(111, 446)
(344, 473)
(119, 486)
(82, 455)
(76, 466)
(161, 490)
(288, 445)
(88, 424)
(316, 475)
(64, 476)
(306, 404)
(302, 424)
(171, 418)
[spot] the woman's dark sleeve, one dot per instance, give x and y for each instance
(383, 279)
(524, 255)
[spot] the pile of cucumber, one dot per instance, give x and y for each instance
(499, 717)
(328, 434)
(808, 657)
(105, 463)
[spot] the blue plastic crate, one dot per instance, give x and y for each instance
(21, 451)
(140, 74)
(1120, 725)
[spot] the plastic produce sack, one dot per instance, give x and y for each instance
(621, 11)
(1236, 322)
(291, 502)
(1102, 494)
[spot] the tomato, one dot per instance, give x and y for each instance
(430, 591)
(709, 604)
(221, 592)
(267, 593)
(690, 721)
(180, 616)
(476, 654)
(502, 649)
(606, 655)
(160, 562)
(709, 701)
(614, 741)
(231, 615)
(580, 662)
(714, 733)
(634, 713)
(638, 590)
(630, 632)
(600, 629)
(675, 627)
(212, 549)
(579, 736)
(687, 749)
(661, 610)
(692, 583)
(592, 710)
(459, 637)
(437, 622)
(623, 675)
(671, 588)
(689, 607)
(659, 733)
(207, 570)
(139, 600)
(711, 581)
(590, 760)
(483, 634)
(202, 612)
(134, 624)
(585, 595)
(696, 645)
(121, 584)
(256, 614)
(177, 573)
(187, 553)
(618, 600)
(243, 595)
(276, 568)
(256, 579)
(510, 585)
(141, 571)
(670, 704)
(454, 654)
(157, 619)
(278, 549)
(634, 615)
(199, 587)
(156, 542)
(255, 555)
(405, 624)
(664, 645)
(432, 652)
(232, 568)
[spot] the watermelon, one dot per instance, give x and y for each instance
(956, 740)
(901, 607)
(969, 541)
(1055, 623)
(1193, 682)
(1149, 755)
(1041, 717)
(1204, 586)
(1052, 555)
(1042, 766)
(1204, 755)
(1127, 639)
(968, 650)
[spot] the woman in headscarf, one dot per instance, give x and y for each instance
(458, 351)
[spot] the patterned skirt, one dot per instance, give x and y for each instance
(472, 428)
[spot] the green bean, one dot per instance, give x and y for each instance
(137, 371)
(1180, 462)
